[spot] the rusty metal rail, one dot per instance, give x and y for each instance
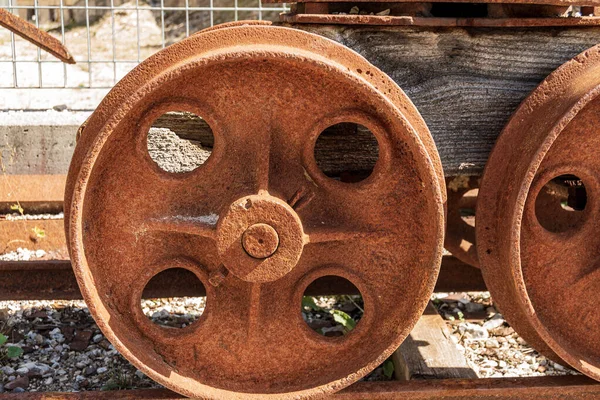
(36, 36)
(337, 19)
(54, 280)
(548, 388)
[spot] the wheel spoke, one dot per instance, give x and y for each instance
(198, 226)
(325, 235)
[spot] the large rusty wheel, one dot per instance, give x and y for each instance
(257, 222)
(540, 258)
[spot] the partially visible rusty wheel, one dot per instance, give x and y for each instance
(460, 221)
(258, 221)
(538, 231)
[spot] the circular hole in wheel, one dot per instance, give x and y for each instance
(559, 205)
(174, 298)
(332, 315)
(179, 142)
(346, 152)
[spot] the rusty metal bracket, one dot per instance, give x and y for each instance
(541, 263)
(36, 36)
(390, 20)
(532, 388)
(460, 228)
(524, 2)
(500, 14)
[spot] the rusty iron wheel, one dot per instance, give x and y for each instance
(541, 263)
(460, 229)
(258, 221)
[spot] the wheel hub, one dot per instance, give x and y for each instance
(260, 241)
(260, 238)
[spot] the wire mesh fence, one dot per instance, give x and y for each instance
(108, 38)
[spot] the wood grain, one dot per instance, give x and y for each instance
(466, 82)
(428, 352)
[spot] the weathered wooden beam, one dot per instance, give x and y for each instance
(466, 82)
(428, 352)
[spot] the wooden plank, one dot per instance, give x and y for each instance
(466, 82)
(428, 352)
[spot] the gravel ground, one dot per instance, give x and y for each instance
(30, 217)
(63, 349)
(491, 346)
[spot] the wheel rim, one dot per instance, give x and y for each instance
(527, 279)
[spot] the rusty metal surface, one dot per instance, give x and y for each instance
(129, 220)
(543, 272)
(40, 234)
(38, 280)
(54, 280)
(525, 2)
(534, 388)
(233, 24)
(36, 36)
(456, 276)
(460, 228)
(337, 19)
(32, 188)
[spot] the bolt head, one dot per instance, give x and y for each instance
(260, 241)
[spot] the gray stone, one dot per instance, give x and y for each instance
(474, 307)
(493, 323)
(7, 370)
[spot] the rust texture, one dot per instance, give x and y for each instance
(267, 92)
(534, 388)
(540, 258)
(337, 19)
(36, 36)
(32, 188)
(525, 2)
(460, 218)
(54, 280)
(42, 234)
